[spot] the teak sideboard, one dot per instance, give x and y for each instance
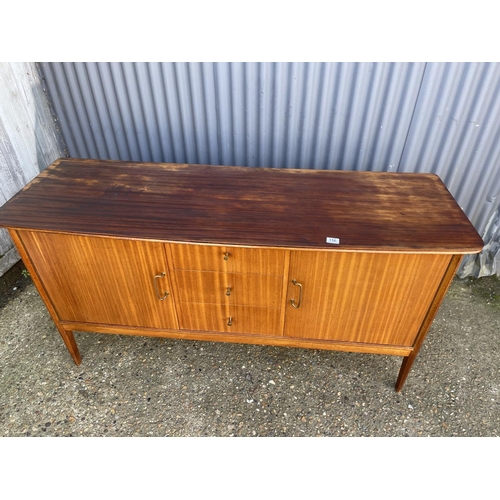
(350, 261)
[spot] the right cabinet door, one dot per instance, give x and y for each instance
(371, 298)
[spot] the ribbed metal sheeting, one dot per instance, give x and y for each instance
(455, 133)
(412, 117)
(289, 115)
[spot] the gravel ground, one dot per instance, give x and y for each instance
(136, 386)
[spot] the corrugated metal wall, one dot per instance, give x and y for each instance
(29, 140)
(435, 117)
(455, 133)
(297, 115)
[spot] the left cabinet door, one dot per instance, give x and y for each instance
(103, 280)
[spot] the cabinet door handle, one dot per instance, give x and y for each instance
(292, 301)
(230, 321)
(226, 255)
(228, 291)
(161, 275)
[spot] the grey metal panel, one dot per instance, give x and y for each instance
(411, 117)
(290, 115)
(455, 133)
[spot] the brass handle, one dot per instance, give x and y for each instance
(292, 301)
(228, 291)
(161, 275)
(226, 256)
(230, 321)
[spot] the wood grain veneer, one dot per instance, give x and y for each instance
(212, 336)
(227, 259)
(102, 280)
(393, 291)
(151, 249)
(244, 319)
(66, 334)
(375, 211)
(231, 288)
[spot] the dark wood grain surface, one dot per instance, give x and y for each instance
(244, 206)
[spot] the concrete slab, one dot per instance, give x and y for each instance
(135, 386)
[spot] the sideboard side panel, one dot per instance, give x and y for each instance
(429, 318)
(66, 335)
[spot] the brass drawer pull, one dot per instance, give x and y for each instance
(161, 275)
(226, 256)
(230, 321)
(228, 291)
(292, 301)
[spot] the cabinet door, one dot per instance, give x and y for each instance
(103, 280)
(230, 319)
(361, 297)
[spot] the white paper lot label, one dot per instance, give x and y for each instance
(333, 241)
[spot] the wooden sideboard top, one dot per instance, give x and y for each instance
(377, 211)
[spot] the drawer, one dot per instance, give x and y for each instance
(228, 259)
(244, 319)
(232, 288)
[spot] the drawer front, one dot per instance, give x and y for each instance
(230, 319)
(231, 288)
(228, 259)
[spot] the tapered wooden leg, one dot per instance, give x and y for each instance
(429, 318)
(69, 340)
(405, 370)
